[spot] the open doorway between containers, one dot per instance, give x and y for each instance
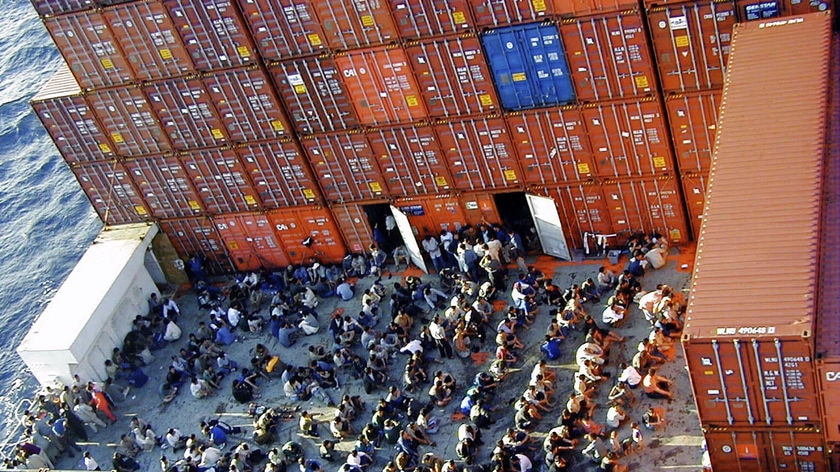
(540, 219)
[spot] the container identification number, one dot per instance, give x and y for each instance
(746, 330)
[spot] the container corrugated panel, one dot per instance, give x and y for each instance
(345, 166)
(479, 207)
(453, 76)
(766, 451)
(349, 24)
(198, 236)
(279, 174)
(90, 49)
(126, 115)
(251, 242)
(479, 153)
(410, 160)
(752, 168)
(354, 226)
(294, 225)
(629, 138)
(694, 192)
(552, 145)
(691, 43)
(247, 105)
(829, 374)
(417, 19)
(213, 32)
(649, 204)
(754, 10)
(582, 209)
(609, 56)
(430, 214)
(490, 13)
(314, 95)
(149, 39)
(221, 181)
(693, 118)
(381, 86)
(165, 186)
(284, 28)
(58, 7)
(186, 112)
(529, 66)
(111, 192)
(576, 8)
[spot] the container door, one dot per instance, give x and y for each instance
(408, 238)
(549, 229)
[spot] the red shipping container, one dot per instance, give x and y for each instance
(552, 145)
(293, 226)
(410, 160)
(751, 10)
(453, 77)
(247, 105)
(314, 95)
(213, 32)
(479, 153)
(694, 191)
(58, 7)
(574, 8)
(279, 174)
(165, 186)
(652, 204)
(284, 28)
(127, 116)
(149, 40)
(582, 209)
(220, 180)
(694, 118)
(609, 56)
(629, 138)
(430, 214)
(90, 49)
(345, 166)
(349, 24)
(381, 86)
(479, 207)
(198, 236)
(749, 450)
(490, 13)
(251, 242)
(354, 226)
(111, 192)
(829, 373)
(186, 112)
(417, 19)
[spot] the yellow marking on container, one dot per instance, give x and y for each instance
(374, 186)
(510, 175)
(233, 245)
(243, 51)
(314, 39)
(194, 205)
(583, 168)
(140, 210)
(675, 234)
(412, 100)
(250, 200)
(106, 63)
(367, 20)
(278, 125)
(441, 181)
(300, 89)
(485, 99)
(539, 5)
(459, 17)
(681, 41)
(217, 133)
(659, 161)
(642, 81)
(104, 148)
(117, 138)
(165, 53)
(519, 77)
(309, 194)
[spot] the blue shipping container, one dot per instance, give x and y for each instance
(529, 66)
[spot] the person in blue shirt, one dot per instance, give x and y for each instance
(637, 265)
(551, 347)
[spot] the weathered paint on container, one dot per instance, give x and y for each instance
(479, 153)
(221, 181)
(753, 10)
(582, 209)
(345, 166)
(430, 214)
(90, 49)
(529, 66)
(490, 13)
(552, 145)
(314, 95)
(577, 8)
(58, 7)
(127, 116)
(284, 28)
(349, 24)
(381, 86)
(294, 225)
(694, 192)
(354, 226)
(748, 450)
(111, 192)
(213, 33)
(453, 76)
(198, 237)
(609, 56)
(186, 112)
(691, 43)
(251, 242)
(629, 138)
(279, 174)
(693, 118)
(647, 205)
(829, 376)
(410, 160)
(479, 207)
(165, 186)
(417, 19)
(247, 105)
(149, 40)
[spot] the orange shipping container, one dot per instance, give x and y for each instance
(575, 8)
(694, 191)
(490, 13)
(693, 118)
(345, 166)
(283, 28)
(251, 242)
(749, 450)
(425, 18)
(186, 112)
(294, 226)
(354, 226)
(111, 192)
(582, 209)
(479, 207)
(127, 117)
(410, 160)
(198, 237)
(165, 186)
(279, 174)
(349, 24)
(221, 181)
(651, 204)
(752, 10)
(430, 214)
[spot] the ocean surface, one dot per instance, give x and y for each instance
(46, 222)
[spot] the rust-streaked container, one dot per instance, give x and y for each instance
(417, 19)
(345, 167)
(479, 207)
(410, 160)
(213, 33)
(279, 174)
(221, 181)
(747, 450)
(284, 28)
(829, 377)
(111, 192)
(198, 236)
(149, 39)
(649, 204)
(349, 24)
(354, 226)
(127, 116)
(251, 242)
(247, 105)
(381, 85)
(294, 225)
(430, 214)
(552, 145)
(582, 209)
(479, 153)
(629, 138)
(576, 8)
(492, 13)
(90, 49)
(186, 112)
(314, 95)
(754, 10)
(453, 76)
(165, 186)
(693, 118)
(59, 7)
(609, 56)
(691, 43)
(694, 192)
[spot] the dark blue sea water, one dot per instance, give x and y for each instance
(46, 222)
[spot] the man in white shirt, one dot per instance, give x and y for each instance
(431, 246)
